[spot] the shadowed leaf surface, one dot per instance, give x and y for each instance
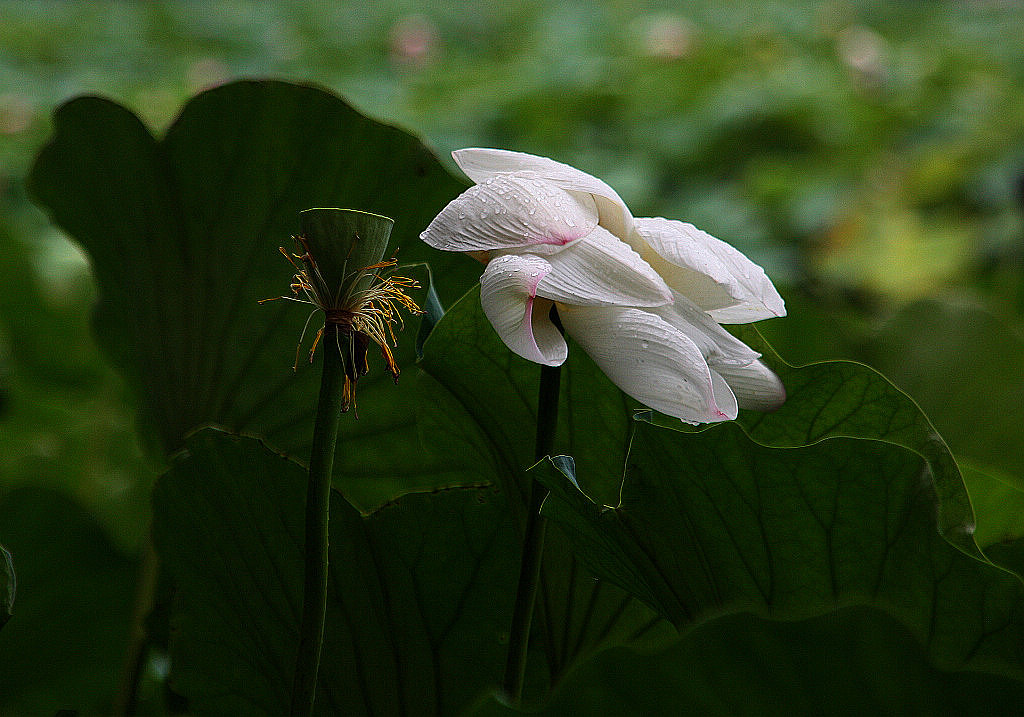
(842, 398)
(183, 234)
(857, 661)
(72, 617)
(419, 600)
(714, 523)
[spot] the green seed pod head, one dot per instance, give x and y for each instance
(343, 243)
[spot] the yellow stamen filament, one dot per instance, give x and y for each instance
(372, 311)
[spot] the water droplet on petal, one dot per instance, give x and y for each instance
(644, 345)
(462, 215)
(533, 274)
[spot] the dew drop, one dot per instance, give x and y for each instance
(462, 215)
(533, 274)
(644, 345)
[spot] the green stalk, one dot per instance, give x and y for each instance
(126, 701)
(318, 496)
(533, 542)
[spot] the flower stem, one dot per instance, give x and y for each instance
(318, 494)
(126, 702)
(533, 542)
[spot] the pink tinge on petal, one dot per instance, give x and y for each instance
(650, 360)
(562, 240)
(510, 212)
(508, 295)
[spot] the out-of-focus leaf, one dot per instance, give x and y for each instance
(8, 585)
(899, 252)
(963, 365)
(64, 646)
(183, 234)
(998, 501)
(419, 602)
(713, 523)
(857, 661)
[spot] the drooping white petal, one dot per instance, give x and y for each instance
(508, 295)
(650, 360)
(600, 270)
(724, 396)
(712, 273)
(755, 385)
(480, 164)
(716, 344)
(508, 212)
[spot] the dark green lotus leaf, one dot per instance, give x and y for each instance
(183, 234)
(419, 602)
(64, 646)
(857, 661)
(844, 398)
(714, 523)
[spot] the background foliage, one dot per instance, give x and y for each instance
(870, 158)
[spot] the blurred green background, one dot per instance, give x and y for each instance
(870, 156)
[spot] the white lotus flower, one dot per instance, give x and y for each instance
(643, 297)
